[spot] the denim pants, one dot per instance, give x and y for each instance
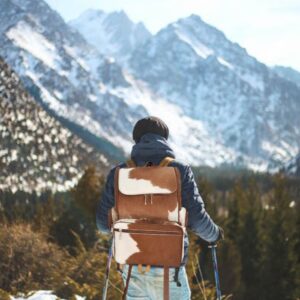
(149, 286)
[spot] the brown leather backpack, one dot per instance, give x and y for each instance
(148, 221)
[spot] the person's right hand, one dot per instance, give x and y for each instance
(220, 237)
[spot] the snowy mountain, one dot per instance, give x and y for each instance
(293, 166)
(112, 34)
(240, 100)
(36, 152)
(222, 105)
(71, 77)
(288, 73)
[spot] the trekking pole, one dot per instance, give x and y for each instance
(215, 265)
(107, 270)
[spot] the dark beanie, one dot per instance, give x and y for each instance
(150, 125)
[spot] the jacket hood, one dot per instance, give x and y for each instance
(151, 147)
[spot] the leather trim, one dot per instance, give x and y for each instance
(166, 283)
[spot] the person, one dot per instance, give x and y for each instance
(150, 135)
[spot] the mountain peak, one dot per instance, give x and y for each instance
(113, 34)
(195, 23)
(121, 13)
(195, 18)
(91, 14)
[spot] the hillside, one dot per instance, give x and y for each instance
(222, 105)
(36, 151)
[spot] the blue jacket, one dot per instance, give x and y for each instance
(154, 148)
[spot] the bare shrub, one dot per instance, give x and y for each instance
(28, 261)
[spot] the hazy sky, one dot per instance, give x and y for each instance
(268, 29)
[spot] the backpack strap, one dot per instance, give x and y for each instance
(130, 163)
(166, 283)
(140, 268)
(166, 161)
(176, 277)
(163, 163)
(127, 283)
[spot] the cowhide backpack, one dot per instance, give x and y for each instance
(148, 221)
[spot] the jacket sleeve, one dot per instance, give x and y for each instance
(106, 202)
(199, 220)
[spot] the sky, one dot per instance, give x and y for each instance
(268, 29)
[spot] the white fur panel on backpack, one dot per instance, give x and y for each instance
(134, 186)
(183, 216)
(124, 244)
(173, 215)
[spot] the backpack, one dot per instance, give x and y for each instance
(148, 221)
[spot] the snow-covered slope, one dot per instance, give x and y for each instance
(222, 105)
(112, 34)
(240, 101)
(293, 166)
(71, 77)
(288, 73)
(36, 152)
(76, 82)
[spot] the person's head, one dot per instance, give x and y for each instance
(150, 125)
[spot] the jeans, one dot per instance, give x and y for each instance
(149, 286)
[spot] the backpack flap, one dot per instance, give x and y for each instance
(148, 192)
(147, 180)
(142, 242)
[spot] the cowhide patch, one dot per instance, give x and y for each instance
(173, 215)
(124, 245)
(183, 216)
(147, 180)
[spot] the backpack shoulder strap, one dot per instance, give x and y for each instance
(130, 163)
(163, 163)
(166, 161)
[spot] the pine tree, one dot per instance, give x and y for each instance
(249, 243)
(87, 192)
(279, 276)
(233, 221)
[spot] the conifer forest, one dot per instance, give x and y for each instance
(50, 241)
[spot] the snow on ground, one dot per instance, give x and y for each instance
(41, 295)
(25, 37)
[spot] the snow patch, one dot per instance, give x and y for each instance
(25, 37)
(41, 295)
(225, 63)
(196, 45)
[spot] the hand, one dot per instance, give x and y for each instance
(220, 237)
